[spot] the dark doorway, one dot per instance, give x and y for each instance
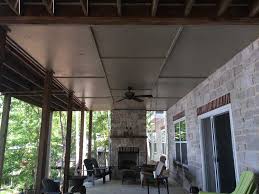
(225, 159)
(218, 153)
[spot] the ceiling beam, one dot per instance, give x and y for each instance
(14, 6)
(223, 6)
(119, 11)
(154, 7)
(170, 50)
(49, 4)
(85, 6)
(188, 7)
(103, 67)
(129, 21)
(254, 8)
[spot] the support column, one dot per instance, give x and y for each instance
(68, 142)
(81, 140)
(89, 154)
(47, 169)
(3, 132)
(44, 131)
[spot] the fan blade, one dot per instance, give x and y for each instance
(121, 100)
(144, 96)
(137, 99)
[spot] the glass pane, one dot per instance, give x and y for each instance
(177, 132)
(163, 148)
(184, 153)
(183, 131)
(178, 152)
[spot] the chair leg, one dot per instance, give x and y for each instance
(147, 186)
(103, 179)
(93, 180)
(158, 186)
(167, 186)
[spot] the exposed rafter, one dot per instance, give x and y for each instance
(254, 8)
(154, 7)
(85, 6)
(119, 12)
(188, 7)
(49, 4)
(223, 6)
(14, 5)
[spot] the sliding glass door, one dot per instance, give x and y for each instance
(219, 166)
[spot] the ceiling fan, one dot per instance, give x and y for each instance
(129, 95)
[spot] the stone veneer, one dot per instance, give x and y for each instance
(240, 78)
(128, 129)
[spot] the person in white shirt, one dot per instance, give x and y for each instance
(160, 167)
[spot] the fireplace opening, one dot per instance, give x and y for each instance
(128, 157)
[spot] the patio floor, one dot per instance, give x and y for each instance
(115, 187)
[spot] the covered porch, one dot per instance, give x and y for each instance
(196, 65)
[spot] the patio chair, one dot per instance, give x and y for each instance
(246, 184)
(94, 172)
(50, 187)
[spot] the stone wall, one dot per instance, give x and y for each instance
(240, 78)
(128, 129)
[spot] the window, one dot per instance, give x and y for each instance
(181, 142)
(163, 140)
(155, 148)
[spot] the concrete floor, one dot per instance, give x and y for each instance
(115, 187)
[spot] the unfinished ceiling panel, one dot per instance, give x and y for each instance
(99, 103)
(175, 87)
(200, 50)
(137, 73)
(134, 41)
(161, 103)
(87, 87)
(68, 50)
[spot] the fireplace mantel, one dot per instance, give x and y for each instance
(128, 137)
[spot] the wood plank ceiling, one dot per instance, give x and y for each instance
(129, 11)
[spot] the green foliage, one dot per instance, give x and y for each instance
(22, 144)
(149, 122)
(23, 139)
(100, 128)
(58, 134)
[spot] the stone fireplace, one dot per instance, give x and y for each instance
(128, 140)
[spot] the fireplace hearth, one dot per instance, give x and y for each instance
(128, 157)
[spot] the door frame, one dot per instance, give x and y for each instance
(213, 113)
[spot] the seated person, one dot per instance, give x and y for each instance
(160, 167)
(154, 172)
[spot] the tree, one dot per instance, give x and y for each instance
(22, 144)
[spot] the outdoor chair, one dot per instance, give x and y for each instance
(94, 172)
(246, 184)
(50, 187)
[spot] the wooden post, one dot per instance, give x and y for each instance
(81, 140)
(3, 132)
(68, 142)
(44, 131)
(89, 154)
(47, 169)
